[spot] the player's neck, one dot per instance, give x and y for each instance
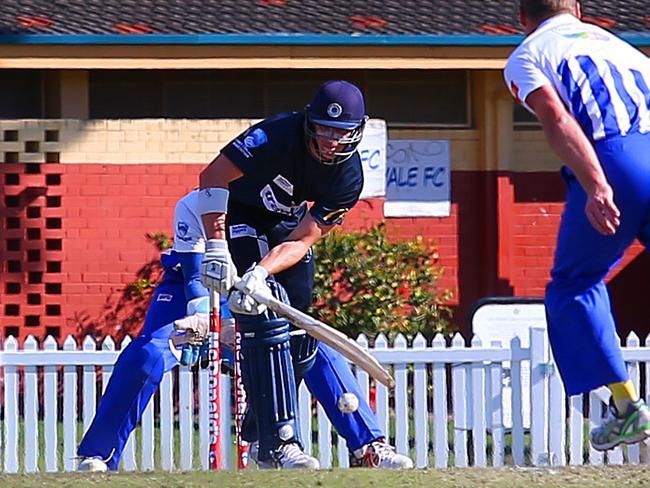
(532, 26)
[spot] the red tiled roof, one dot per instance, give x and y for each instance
(433, 17)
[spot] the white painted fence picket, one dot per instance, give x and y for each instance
(418, 413)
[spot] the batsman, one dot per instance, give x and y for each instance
(253, 202)
(175, 330)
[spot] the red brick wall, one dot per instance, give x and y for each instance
(442, 231)
(74, 235)
(105, 212)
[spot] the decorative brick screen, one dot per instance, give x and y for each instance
(31, 225)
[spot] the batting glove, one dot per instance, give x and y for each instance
(189, 355)
(218, 272)
(253, 283)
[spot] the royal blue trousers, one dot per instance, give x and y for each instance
(136, 376)
(141, 366)
(327, 380)
(581, 327)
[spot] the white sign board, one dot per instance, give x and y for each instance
(503, 322)
(418, 178)
(372, 150)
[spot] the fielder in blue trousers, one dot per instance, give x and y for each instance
(590, 91)
(141, 366)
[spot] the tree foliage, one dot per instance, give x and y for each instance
(368, 283)
(365, 283)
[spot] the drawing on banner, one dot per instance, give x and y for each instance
(418, 178)
(372, 150)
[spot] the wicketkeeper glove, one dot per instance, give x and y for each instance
(192, 333)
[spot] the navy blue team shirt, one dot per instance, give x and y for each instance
(280, 175)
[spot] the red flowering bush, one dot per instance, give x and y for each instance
(366, 283)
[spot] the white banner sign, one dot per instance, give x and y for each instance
(372, 150)
(502, 322)
(418, 178)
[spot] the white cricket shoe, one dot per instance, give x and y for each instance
(622, 428)
(92, 465)
(379, 454)
(287, 456)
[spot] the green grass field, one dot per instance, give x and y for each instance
(196, 455)
(619, 476)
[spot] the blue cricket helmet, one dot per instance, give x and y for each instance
(338, 104)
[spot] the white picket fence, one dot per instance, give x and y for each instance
(462, 427)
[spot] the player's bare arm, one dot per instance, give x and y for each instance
(569, 142)
(291, 251)
(218, 174)
(218, 271)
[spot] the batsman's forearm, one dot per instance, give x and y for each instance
(214, 225)
(284, 256)
(568, 141)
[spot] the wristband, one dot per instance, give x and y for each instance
(213, 200)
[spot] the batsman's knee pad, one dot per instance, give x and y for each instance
(303, 346)
(303, 353)
(268, 376)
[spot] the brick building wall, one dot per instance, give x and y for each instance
(78, 199)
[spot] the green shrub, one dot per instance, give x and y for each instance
(161, 240)
(367, 283)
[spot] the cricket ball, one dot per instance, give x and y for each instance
(348, 403)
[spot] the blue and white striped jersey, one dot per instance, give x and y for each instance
(604, 81)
